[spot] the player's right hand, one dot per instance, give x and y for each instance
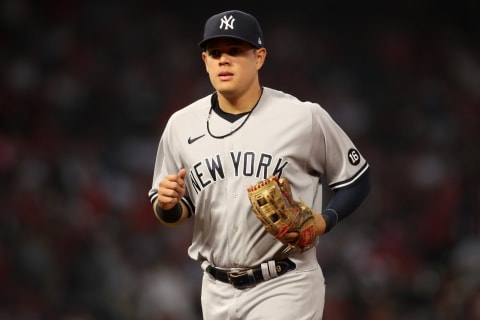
(171, 189)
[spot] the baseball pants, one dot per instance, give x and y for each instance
(298, 294)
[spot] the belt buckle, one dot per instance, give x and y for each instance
(242, 279)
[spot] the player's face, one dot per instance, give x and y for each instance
(233, 65)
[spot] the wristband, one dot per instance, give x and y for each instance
(331, 218)
(171, 215)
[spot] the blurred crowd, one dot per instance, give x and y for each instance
(87, 86)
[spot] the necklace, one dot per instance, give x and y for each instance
(214, 96)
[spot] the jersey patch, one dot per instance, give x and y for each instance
(353, 157)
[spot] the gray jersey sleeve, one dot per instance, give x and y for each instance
(339, 160)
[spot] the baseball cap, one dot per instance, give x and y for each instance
(233, 24)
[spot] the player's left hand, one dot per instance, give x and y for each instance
(320, 227)
(289, 237)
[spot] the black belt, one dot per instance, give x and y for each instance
(250, 277)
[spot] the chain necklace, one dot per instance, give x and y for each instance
(214, 96)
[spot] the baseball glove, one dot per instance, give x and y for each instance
(273, 204)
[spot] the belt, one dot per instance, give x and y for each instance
(250, 277)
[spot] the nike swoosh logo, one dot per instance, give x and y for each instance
(192, 140)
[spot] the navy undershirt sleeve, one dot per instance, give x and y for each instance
(346, 200)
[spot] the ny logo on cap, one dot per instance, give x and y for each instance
(227, 23)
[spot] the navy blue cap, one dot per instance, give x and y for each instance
(233, 24)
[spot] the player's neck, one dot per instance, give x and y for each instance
(236, 104)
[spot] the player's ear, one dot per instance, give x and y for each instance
(261, 54)
(204, 58)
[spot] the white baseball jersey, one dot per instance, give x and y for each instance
(282, 136)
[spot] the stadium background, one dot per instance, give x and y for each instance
(86, 87)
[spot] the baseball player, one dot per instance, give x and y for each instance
(212, 150)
